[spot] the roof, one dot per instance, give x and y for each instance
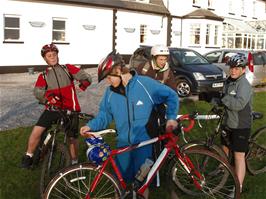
(202, 14)
(155, 6)
(238, 26)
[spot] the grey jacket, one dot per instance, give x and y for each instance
(238, 102)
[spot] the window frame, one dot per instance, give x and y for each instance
(143, 33)
(59, 30)
(194, 29)
(19, 29)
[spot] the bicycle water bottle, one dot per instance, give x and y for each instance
(142, 173)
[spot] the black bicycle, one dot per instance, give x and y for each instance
(52, 150)
(256, 154)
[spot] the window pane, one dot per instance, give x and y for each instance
(58, 25)
(58, 36)
(11, 22)
(143, 33)
(11, 34)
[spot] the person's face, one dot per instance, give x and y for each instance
(161, 60)
(51, 58)
(236, 72)
(114, 78)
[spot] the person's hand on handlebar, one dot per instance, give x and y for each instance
(171, 124)
(52, 99)
(85, 131)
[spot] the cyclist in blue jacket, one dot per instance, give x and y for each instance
(129, 101)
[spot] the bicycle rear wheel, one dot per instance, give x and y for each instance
(60, 159)
(222, 183)
(256, 157)
(75, 181)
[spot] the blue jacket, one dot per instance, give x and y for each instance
(131, 111)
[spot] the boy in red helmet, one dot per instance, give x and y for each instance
(55, 87)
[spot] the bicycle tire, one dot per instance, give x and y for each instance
(256, 156)
(61, 159)
(220, 184)
(74, 182)
(198, 144)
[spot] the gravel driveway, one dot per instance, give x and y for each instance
(18, 106)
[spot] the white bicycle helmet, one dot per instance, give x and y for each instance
(159, 50)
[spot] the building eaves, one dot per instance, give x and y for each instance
(202, 14)
(155, 6)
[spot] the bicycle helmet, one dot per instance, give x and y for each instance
(237, 61)
(47, 48)
(106, 65)
(98, 150)
(159, 50)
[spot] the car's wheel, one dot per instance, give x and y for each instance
(183, 88)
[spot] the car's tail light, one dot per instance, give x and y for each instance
(250, 62)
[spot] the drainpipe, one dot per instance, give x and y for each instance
(114, 29)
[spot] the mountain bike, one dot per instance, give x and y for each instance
(89, 181)
(52, 150)
(256, 154)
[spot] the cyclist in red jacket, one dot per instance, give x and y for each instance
(55, 87)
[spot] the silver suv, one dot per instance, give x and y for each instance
(256, 69)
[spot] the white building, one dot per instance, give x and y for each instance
(86, 30)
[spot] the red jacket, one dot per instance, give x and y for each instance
(59, 81)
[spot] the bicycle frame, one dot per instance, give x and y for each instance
(169, 146)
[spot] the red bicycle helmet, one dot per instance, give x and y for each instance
(106, 65)
(47, 48)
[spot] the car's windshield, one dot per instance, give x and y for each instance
(188, 57)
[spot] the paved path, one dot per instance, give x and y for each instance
(18, 106)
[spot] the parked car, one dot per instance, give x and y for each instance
(193, 73)
(256, 68)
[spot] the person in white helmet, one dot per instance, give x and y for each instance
(157, 67)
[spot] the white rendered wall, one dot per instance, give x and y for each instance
(85, 46)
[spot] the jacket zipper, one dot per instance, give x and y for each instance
(129, 124)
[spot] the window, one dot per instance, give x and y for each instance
(59, 30)
(231, 6)
(11, 27)
(195, 34)
(238, 40)
(143, 33)
(208, 34)
(210, 3)
(214, 56)
(216, 35)
(243, 7)
(254, 8)
(196, 3)
(260, 40)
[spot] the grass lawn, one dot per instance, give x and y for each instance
(24, 184)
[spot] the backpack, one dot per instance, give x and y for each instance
(139, 57)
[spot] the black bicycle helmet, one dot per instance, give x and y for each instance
(106, 65)
(237, 61)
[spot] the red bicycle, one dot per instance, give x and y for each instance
(91, 181)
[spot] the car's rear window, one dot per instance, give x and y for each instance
(259, 58)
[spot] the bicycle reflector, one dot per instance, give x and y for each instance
(98, 150)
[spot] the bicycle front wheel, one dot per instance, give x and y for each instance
(52, 163)
(256, 157)
(215, 183)
(75, 181)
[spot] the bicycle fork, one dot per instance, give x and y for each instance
(195, 175)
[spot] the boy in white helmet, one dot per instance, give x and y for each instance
(157, 67)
